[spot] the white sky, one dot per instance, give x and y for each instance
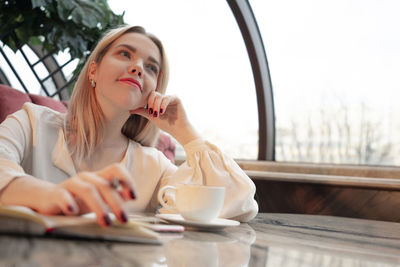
(329, 56)
(319, 50)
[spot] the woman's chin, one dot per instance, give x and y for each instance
(130, 105)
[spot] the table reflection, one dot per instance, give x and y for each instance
(296, 257)
(270, 240)
(211, 249)
(230, 247)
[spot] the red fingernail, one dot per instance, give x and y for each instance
(155, 114)
(124, 217)
(161, 110)
(70, 208)
(132, 193)
(107, 220)
(150, 111)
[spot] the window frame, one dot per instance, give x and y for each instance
(247, 23)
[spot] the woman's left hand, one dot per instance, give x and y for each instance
(168, 114)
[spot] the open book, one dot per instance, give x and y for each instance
(22, 220)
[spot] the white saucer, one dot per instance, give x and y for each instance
(215, 224)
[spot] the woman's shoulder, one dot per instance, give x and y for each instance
(39, 109)
(145, 150)
(42, 113)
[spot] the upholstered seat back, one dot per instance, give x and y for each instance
(12, 100)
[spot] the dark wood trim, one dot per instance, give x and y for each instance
(367, 192)
(318, 199)
(255, 48)
(391, 184)
(321, 169)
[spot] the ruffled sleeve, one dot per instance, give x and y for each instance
(14, 134)
(207, 165)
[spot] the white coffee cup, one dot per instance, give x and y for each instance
(195, 202)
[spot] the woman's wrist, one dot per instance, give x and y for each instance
(185, 136)
(19, 190)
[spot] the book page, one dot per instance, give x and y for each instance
(18, 219)
(48, 221)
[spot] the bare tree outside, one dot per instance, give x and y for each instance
(343, 135)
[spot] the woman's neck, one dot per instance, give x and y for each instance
(113, 123)
(112, 148)
(107, 153)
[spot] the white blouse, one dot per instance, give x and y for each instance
(32, 142)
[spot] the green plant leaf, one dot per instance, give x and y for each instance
(64, 9)
(35, 40)
(39, 3)
(90, 14)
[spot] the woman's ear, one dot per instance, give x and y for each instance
(92, 70)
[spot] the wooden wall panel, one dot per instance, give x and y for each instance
(303, 198)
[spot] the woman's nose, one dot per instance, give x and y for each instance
(137, 69)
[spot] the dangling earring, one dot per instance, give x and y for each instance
(92, 83)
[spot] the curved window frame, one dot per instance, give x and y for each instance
(247, 23)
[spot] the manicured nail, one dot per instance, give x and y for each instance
(124, 217)
(70, 208)
(161, 110)
(132, 193)
(107, 219)
(150, 111)
(155, 114)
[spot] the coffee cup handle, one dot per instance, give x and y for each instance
(161, 200)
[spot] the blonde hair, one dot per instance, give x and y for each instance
(85, 118)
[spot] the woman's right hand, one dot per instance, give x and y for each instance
(168, 114)
(84, 192)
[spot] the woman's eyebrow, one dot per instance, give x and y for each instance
(133, 49)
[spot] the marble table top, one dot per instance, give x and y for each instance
(268, 240)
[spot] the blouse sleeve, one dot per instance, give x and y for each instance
(207, 165)
(14, 134)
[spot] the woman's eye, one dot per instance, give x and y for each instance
(125, 54)
(152, 68)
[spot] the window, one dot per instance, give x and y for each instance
(21, 68)
(334, 69)
(42, 69)
(210, 68)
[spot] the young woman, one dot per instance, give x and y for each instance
(66, 164)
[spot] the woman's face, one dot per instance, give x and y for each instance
(127, 73)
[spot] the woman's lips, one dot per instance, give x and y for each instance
(131, 82)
